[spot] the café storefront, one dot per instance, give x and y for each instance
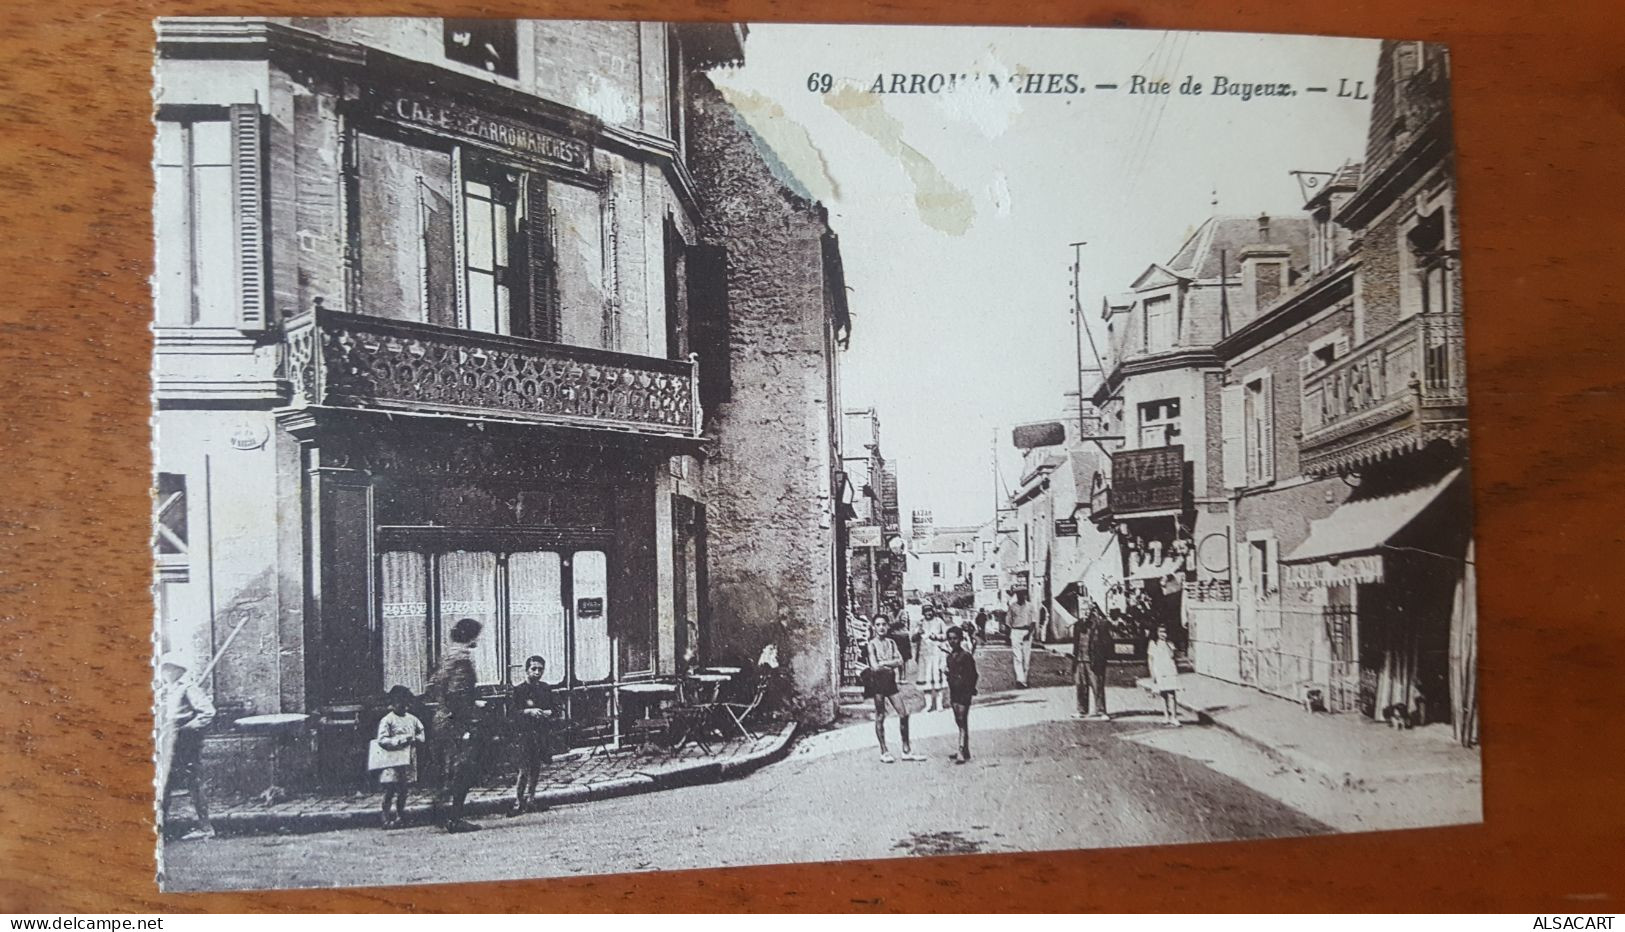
(483, 426)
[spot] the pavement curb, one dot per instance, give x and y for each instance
(700, 773)
(1329, 774)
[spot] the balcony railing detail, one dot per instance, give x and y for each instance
(337, 359)
(1398, 391)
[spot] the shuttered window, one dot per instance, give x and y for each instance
(1235, 441)
(210, 219)
(1258, 419)
(710, 328)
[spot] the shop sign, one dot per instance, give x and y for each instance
(1365, 568)
(1148, 480)
(864, 535)
(1066, 527)
(446, 117)
(590, 608)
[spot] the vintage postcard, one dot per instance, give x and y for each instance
(590, 447)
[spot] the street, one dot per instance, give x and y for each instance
(1040, 780)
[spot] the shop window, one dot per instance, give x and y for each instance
(1159, 423)
(487, 44)
(518, 597)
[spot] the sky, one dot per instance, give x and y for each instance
(955, 209)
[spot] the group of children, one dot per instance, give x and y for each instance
(401, 736)
(943, 663)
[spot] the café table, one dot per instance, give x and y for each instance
(649, 695)
(712, 680)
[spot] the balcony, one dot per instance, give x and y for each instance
(353, 361)
(1396, 393)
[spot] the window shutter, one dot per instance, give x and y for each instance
(248, 196)
(1306, 365)
(1342, 345)
(1235, 439)
(459, 225)
(1266, 415)
(540, 270)
(711, 327)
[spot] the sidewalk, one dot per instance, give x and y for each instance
(573, 778)
(1345, 750)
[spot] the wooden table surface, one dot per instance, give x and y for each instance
(1540, 110)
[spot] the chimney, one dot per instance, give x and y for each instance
(1263, 228)
(1265, 271)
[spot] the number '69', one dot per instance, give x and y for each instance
(820, 83)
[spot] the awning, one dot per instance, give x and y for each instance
(1344, 547)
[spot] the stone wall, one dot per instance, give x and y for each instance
(772, 537)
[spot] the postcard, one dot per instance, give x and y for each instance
(596, 447)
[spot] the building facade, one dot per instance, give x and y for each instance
(778, 521)
(436, 304)
(1163, 492)
(1388, 418)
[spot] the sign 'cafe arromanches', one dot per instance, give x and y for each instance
(450, 119)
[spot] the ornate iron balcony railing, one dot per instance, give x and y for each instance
(336, 359)
(1396, 392)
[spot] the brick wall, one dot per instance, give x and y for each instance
(772, 543)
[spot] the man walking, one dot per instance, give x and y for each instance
(1022, 618)
(1091, 648)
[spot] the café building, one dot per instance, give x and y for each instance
(425, 350)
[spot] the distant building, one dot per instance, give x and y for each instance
(939, 566)
(874, 568)
(1163, 494)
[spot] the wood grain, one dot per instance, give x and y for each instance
(1540, 109)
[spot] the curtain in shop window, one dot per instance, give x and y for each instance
(468, 584)
(536, 609)
(405, 620)
(590, 576)
(1464, 656)
(1396, 683)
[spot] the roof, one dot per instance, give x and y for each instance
(1199, 257)
(947, 540)
(1365, 526)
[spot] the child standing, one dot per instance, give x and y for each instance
(533, 714)
(1159, 656)
(399, 731)
(962, 676)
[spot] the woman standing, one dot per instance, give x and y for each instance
(454, 724)
(885, 666)
(931, 670)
